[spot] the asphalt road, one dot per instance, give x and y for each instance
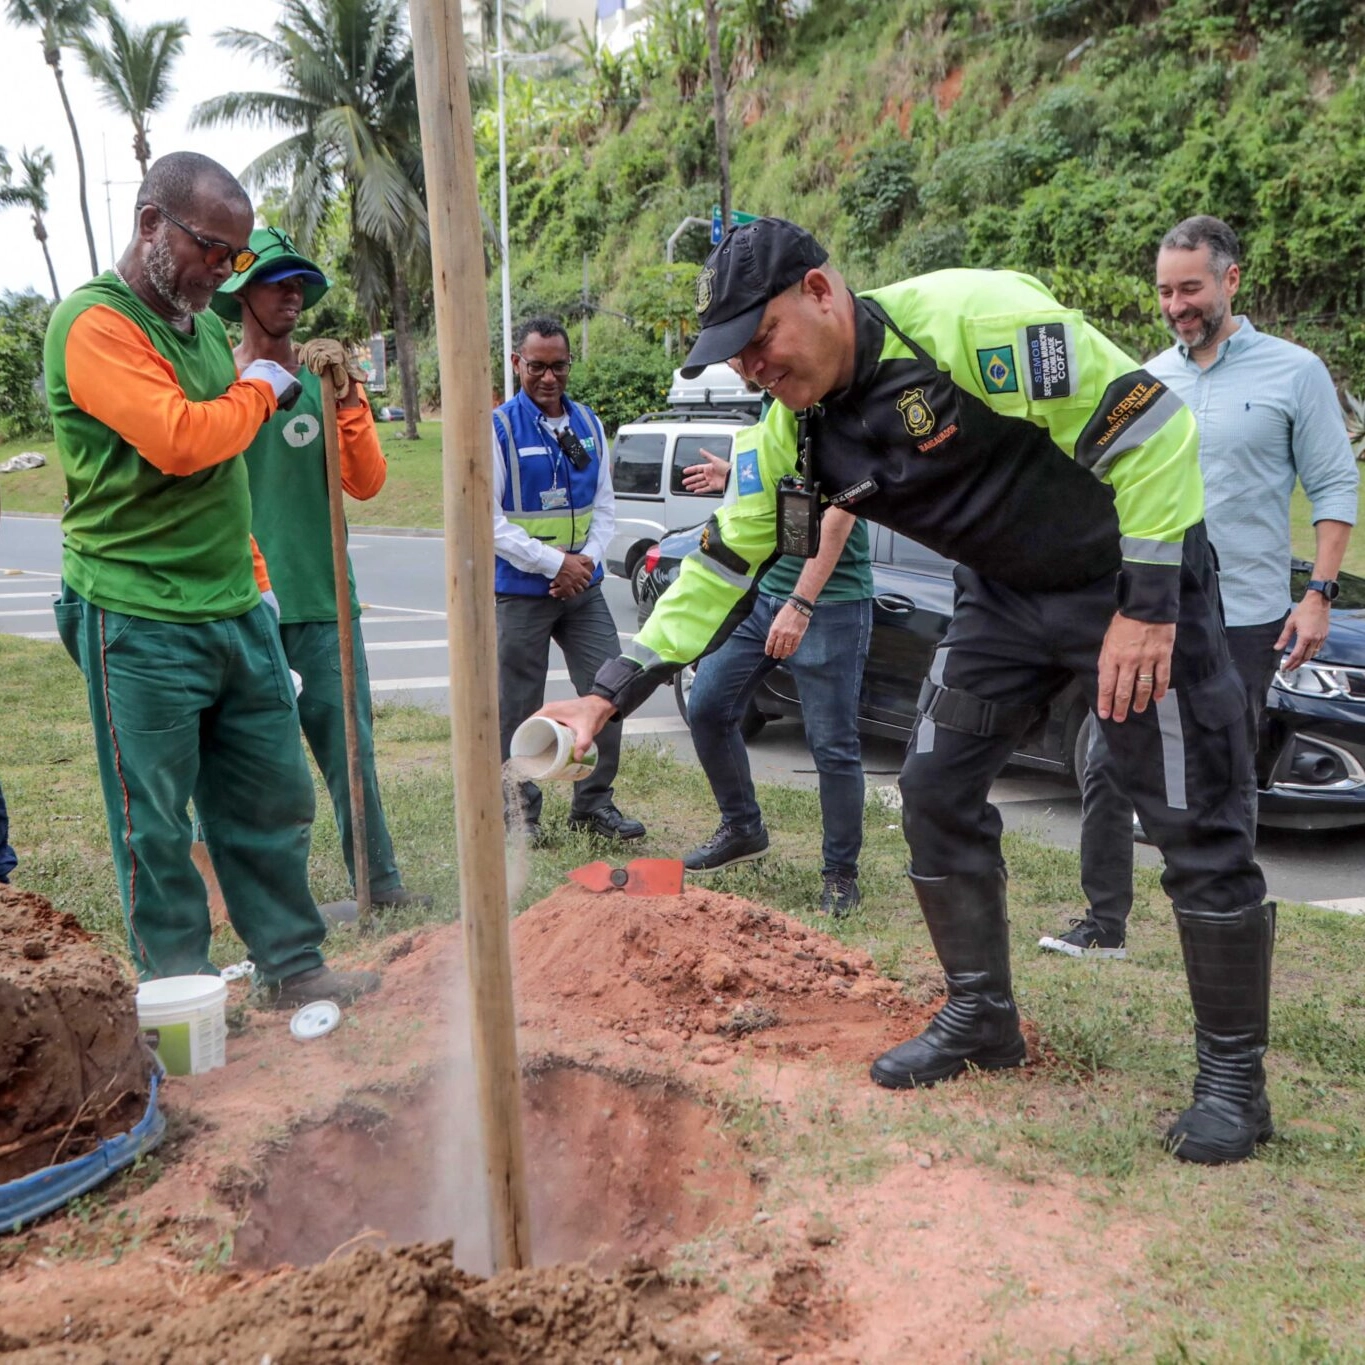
(400, 579)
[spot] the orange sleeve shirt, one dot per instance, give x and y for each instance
(115, 374)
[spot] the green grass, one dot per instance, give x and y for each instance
(1260, 1262)
(32, 490)
(411, 495)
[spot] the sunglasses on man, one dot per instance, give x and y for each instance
(215, 252)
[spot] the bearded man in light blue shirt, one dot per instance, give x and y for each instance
(1268, 415)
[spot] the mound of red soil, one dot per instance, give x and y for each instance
(409, 1306)
(698, 972)
(73, 1069)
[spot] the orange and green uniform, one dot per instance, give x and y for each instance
(189, 690)
(291, 520)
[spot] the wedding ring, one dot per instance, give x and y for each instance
(1146, 677)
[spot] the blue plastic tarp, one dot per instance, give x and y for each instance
(31, 1196)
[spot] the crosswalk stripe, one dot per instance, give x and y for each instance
(29, 611)
(10, 596)
(410, 611)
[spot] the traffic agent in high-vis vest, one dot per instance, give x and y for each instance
(971, 411)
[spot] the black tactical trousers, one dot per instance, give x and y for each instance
(1184, 761)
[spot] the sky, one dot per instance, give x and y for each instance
(31, 115)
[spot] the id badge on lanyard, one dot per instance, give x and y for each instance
(552, 499)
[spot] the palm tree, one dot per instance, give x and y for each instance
(134, 70)
(349, 97)
(61, 22)
(31, 194)
(545, 37)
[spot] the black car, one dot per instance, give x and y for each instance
(1313, 732)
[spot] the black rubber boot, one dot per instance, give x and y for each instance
(979, 1023)
(1227, 962)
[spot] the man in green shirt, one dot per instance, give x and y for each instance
(189, 690)
(291, 520)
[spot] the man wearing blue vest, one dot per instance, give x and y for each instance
(553, 516)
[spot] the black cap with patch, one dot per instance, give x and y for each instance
(752, 264)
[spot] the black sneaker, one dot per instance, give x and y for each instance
(841, 895)
(400, 898)
(1085, 938)
(726, 847)
(606, 822)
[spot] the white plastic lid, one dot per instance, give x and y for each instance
(315, 1020)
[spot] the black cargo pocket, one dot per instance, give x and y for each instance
(68, 610)
(1219, 701)
(1219, 765)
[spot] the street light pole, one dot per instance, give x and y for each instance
(668, 256)
(502, 212)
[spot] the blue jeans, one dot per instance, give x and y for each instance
(828, 668)
(8, 860)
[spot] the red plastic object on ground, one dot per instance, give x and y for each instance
(640, 877)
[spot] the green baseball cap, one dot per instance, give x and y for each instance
(277, 258)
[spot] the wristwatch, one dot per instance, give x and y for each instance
(1328, 587)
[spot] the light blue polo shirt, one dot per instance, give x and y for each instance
(1267, 413)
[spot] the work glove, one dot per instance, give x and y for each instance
(287, 388)
(322, 355)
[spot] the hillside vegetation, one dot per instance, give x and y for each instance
(1061, 139)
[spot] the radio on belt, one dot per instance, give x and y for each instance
(798, 502)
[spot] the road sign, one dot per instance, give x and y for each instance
(736, 218)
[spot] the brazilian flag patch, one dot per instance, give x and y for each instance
(997, 369)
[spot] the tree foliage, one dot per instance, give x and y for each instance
(133, 69)
(349, 99)
(23, 324)
(910, 135)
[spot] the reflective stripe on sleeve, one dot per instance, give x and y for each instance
(1151, 551)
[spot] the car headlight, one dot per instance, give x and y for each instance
(1317, 680)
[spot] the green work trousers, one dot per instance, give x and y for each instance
(203, 712)
(313, 650)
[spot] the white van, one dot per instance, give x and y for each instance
(649, 455)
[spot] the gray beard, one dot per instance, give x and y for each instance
(1211, 325)
(159, 270)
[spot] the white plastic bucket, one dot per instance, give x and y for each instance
(185, 1016)
(542, 749)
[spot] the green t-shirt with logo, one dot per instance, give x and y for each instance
(851, 580)
(134, 540)
(290, 515)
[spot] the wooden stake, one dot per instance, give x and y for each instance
(360, 839)
(462, 345)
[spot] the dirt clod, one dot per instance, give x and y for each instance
(75, 1069)
(409, 1306)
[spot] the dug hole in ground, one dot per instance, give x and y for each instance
(711, 1175)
